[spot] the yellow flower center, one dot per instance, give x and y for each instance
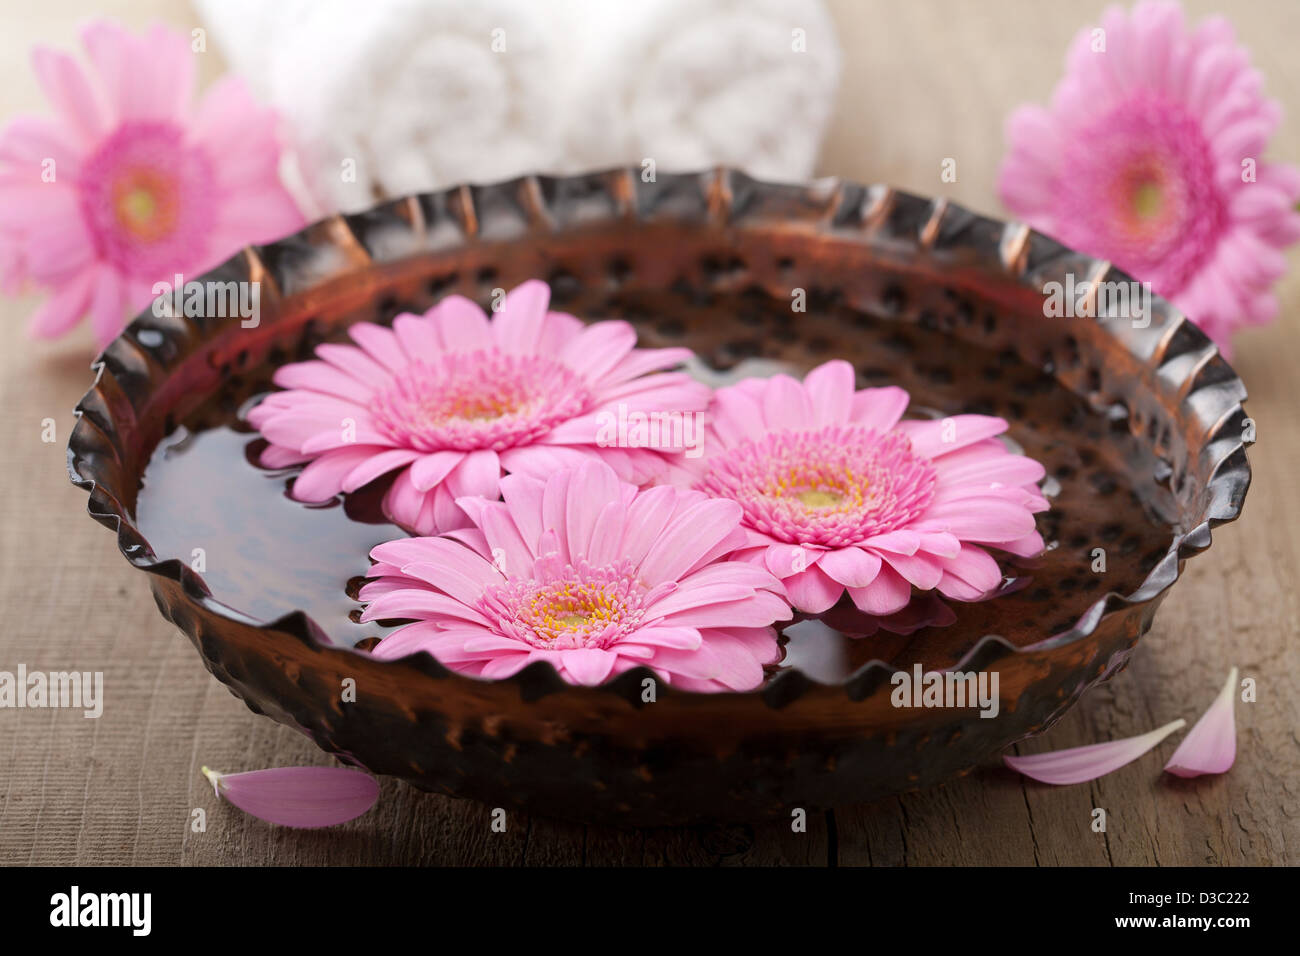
(575, 606)
(145, 204)
(820, 498)
(440, 410)
(1147, 200)
(818, 486)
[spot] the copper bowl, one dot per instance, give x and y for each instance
(1141, 430)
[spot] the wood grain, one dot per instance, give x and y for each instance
(922, 82)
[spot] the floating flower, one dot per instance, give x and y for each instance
(127, 185)
(589, 574)
(1081, 764)
(1149, 156)
(298, 796)
(1211, 745)
(840, 495)
(452, 399)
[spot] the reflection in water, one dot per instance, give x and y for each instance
(261, 552)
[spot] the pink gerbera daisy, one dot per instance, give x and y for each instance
(1149, 156)
(453, 399)
(839, 494)
(126, 185)
(589, 574)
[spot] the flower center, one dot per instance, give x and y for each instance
(1142, 192)
(566, 606)
(820, 498)
(479, 399)
(1147, 200)
(147, 199)
(835, 486)
(146, 203)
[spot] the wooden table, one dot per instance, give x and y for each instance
(923, 81)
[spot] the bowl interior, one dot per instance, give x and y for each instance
(958, 331)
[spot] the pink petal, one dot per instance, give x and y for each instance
(853, 567)
(381, 343)
(417, 603)
(354, 362)
(588, 665)
(602, 546)
(678, 638)
(518, 327)
(403, 504)
(429, 471)
(26, 202)
(58, 249)
(785, 560)
(63, 309)
(646, 517)
(594, 487)
(942, 436)
(320, 376)
(688, 537)
(643, 361)
(418, 335)
(922, 571)
(989, 520)
(299, 796)
(479, 473)
(599, 349)
(786, 404)
(461, 324)
(1211, 745)
(229, 112)
(736, 416)
(879, 408)
(26, 140)
(888, 593)
(736, 666)
(277, 456)
(689, 598)
(758, 610)
(106, 305)
(830, 386)
(379, 463)
(1080, 764)
(66, 87)
(976, 567)
(812, 590)
(146, 77)
(505, 542)
(324, 477)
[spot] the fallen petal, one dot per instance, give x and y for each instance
(1211, 745)
(1079, 764)
(298, 796)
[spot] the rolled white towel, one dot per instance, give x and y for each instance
(388, 97)
(696, 83)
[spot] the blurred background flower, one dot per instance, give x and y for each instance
(1150, 156)
(127, 183)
